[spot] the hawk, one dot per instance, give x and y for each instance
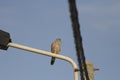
(55, 48)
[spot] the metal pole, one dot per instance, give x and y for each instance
(75, 68)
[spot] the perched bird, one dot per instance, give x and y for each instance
(91, 70)
(55, 48)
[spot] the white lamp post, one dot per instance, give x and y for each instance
(75, 68)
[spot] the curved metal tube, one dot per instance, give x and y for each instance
(48, 54)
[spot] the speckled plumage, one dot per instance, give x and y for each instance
(55, 48)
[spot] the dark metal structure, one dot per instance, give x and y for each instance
(4, 40)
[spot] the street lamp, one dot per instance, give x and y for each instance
(6, 42)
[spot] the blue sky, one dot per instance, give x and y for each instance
(36, 23)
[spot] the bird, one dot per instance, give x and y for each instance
(55, 48)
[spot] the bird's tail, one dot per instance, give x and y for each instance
(52, 60)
